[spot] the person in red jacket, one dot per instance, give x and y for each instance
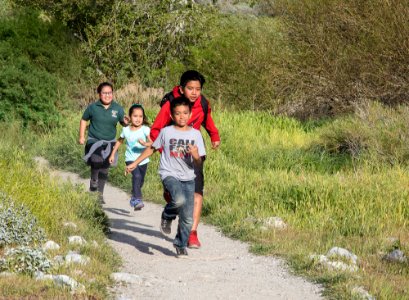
(191, 84)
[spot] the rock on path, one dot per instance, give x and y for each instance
(221, 269)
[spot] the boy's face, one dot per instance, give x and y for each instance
(106, 95)
(192, 90)
(181, 115)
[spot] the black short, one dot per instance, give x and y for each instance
(199, 180)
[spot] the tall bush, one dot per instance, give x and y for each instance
(241, 61)
(345, 51)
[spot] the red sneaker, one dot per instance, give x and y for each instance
(193, 241)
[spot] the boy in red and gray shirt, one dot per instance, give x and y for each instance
(191, 84)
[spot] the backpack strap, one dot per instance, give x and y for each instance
(203, 101)
(168, 97)
(205, 108)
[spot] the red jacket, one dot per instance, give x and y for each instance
(163, 118)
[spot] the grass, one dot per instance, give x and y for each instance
(54, 203)
(274, 166)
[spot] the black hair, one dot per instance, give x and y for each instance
(104, 84)
(178, 101)
(136, 106)
(191, 75)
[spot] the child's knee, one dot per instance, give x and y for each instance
(179, 201)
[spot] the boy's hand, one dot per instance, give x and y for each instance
(81, 140)
(111, 159)
(130, 168)
(215, 144)
(192, 149)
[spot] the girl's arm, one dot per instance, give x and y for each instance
(116, 147)
(83, 126)
(145, 154)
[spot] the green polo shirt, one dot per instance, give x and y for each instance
(103, 120)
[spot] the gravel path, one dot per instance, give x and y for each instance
(221, 269)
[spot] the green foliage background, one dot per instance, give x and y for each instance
(38, 69)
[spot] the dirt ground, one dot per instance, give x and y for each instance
(221, 269)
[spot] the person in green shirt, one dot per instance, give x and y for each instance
(103, 116)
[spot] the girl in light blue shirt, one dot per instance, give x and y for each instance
(136, 136)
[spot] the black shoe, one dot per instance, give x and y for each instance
(165, 226)
(181, 252)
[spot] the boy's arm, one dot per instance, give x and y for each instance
(116, 147)
(211, 128)
(162, 120)
(144, 155)
(83, 126)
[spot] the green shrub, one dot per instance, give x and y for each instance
(38, 66)
(375, 132)
(17, 225)
(25, 260)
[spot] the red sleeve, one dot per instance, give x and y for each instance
(210, 127)
(162, 120)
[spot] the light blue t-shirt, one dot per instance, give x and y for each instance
(133, 147)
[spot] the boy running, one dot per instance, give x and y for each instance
(182, 148)
(191, 84)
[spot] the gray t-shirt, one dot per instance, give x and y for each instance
(174, 161)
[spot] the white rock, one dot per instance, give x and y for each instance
(274, 222)
(70, 225)
(51, 245)
(66, 280)
(341, 252)
(333, 265)
(58, 259)
(126, 277)
(360, 292)
(319, 258)
(341, 266)
(75, 258)
(396, 256)
(75, 239)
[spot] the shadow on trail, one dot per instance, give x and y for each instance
(119, 211)
(130, 225)
(141, 246)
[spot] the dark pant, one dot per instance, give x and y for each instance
(138, 178)
(99, 177)
(182, 193)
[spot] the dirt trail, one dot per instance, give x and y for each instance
(221, 269)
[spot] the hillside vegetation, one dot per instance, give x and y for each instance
(280, 167)
(312, 59)
(336, 174)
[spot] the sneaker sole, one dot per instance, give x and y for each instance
(163, 232)
(138, 207)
